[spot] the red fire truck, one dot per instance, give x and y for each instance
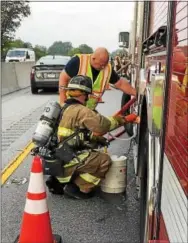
(160, 73)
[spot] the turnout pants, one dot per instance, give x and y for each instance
(89, 174)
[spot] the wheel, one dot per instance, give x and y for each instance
(34, 90)
(128, 126)
(143, 174)
(143, 160)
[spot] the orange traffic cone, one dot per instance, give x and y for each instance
(108, 87)
(36, 226)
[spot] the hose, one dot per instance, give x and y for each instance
(122, 139)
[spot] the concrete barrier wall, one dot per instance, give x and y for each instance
(15, 76)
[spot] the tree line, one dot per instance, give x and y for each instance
(12, 13)
(57, 48)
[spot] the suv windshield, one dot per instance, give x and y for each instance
(16, 53)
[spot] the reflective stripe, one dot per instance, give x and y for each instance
(36, 196)
(92, 103)
(71, 163)
(78, 86)
(106, 77)
(64, 132)
(81, 157)
(36, 183)
(114, 123)
(184, 87)
(157, 105)
(36, 207)
(90, 178)
(64, 179)
(83, 64)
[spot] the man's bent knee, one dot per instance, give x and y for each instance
(105, 163)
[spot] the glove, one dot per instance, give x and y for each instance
(120, 119)
(132, 118)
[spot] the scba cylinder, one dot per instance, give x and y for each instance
(116, 178)
(46, 125)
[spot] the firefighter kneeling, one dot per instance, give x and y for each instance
(84, 165)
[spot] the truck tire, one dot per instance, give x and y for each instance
(128, 127)
(143, 157)
(143, 170)
(34, 90)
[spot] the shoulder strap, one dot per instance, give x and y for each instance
(65, 106)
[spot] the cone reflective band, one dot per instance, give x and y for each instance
(36, 226)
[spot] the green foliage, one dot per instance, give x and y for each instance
(60, 48)
(27, 45)
(40, 51)
(85, 49)
(11, 44)
(74, 51)
(82, 49)
(119, 52)
(12, 12)
(66, 49)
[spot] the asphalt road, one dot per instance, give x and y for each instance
(102, 219)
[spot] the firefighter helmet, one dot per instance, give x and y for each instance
(82, 83)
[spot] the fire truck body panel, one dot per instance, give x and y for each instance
(177, 130)
(157, 67)
(174, 205)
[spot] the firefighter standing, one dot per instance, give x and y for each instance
(97, 67)
(83, 175)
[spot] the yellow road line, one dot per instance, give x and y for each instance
(13, 165)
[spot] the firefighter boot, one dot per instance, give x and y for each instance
(54, 186)
(72, 190)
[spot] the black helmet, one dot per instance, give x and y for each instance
(80, 82)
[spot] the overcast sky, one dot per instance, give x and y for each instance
(93, 23)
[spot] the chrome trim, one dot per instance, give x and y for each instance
(134, 31)
(135, 154)
(162, 53)
(142, 81)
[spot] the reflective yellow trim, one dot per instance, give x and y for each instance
(64, 132)
(15, 163)
(114, 123)
(64, 179)
(90, 178)
(91, 103)
(75, 161)
(79, 87)
(71, 163)
(184, 86)
(157, 106)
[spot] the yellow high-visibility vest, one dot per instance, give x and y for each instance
(101, 82)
